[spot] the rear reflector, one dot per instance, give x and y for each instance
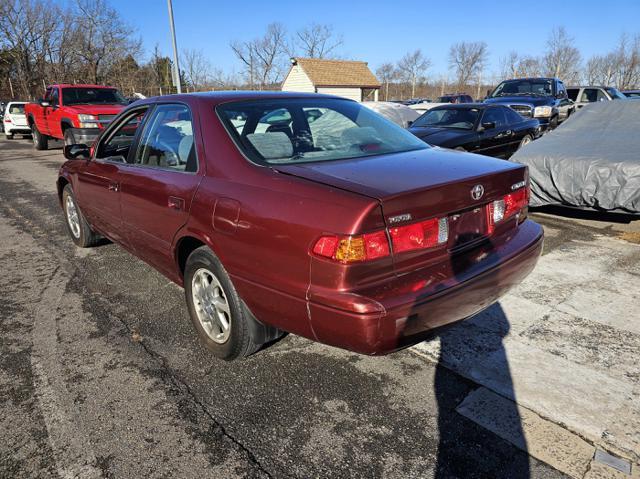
(426, 234)
(508, 206)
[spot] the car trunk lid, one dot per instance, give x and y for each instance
(423, 184)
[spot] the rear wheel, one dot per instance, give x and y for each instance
(79, 230)
(40, 141)
(9, 136)
(217, 313)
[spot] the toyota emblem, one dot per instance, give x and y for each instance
(477, 192)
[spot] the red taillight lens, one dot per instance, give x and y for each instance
(426, 234)
(506, 207)
(351, 249)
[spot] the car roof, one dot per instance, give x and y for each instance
(17, 103)
(458, 106)
(530, 78)
(217, 97)
(81, 85)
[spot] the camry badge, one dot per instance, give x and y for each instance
(399, 218)
(477, 192)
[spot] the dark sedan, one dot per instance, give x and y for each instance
(493, 130)
(302, 213)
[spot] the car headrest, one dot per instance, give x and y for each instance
(272, 145)
(360, 135)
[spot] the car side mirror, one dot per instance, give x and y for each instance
(44, 103)
(560, 95)
(409, 123)
(489, 125)
(77, 152)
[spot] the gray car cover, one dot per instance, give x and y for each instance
(592, 160)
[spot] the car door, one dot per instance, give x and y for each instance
(158, 187)
(493, 141)
(54, 115)
(98, 185)
(42, 113)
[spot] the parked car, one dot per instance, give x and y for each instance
(633, 94)
(348, 231)
(2, 108)
(493, 130)
(14, 120)
(454, 98)
(542, 98)
(73, 113)
(583, 95)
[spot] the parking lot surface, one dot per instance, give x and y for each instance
(101, 374)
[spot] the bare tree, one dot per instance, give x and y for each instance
(197, 68)
(386, 73)
(317, 41)
(509, 65)
(562, 59)
(602, 69)
(467, 59)
(628, 62)
(412, 67)
(263, 57)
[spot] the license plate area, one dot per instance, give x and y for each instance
(467, 228)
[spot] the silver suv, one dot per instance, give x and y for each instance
(583, 95)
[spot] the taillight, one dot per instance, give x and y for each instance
(426, 234)
(351, 249)
(507, 207)
(7, 120)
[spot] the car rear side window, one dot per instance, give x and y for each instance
(573, 93)
(167, 141)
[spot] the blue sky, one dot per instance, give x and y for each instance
(378, 31)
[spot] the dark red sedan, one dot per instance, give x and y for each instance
(302, 213)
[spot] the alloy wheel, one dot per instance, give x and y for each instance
(72, 216)
(211, 305)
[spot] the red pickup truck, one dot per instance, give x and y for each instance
(73, 113)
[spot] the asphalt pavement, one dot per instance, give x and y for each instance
(101, 374)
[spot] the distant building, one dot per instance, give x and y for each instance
(349, 79)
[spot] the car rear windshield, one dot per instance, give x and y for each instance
(539, 87)
(311, 129)
(17, 109)
(92, 96)
(460, 118)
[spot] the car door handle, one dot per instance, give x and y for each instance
(113, 186)
(175, 203)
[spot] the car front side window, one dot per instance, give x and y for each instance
(494, 115)
(117, 144)
(167, 141)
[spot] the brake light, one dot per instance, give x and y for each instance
(351, 249)
(7, 120)
(508, 206)
(426, 234)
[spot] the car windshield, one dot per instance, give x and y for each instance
(283, 131)
(92, 96)
(523, 87)
(460, 118)
(615, 94)
(16, 109)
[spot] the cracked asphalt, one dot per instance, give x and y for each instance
(102, 376)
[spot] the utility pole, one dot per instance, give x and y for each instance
(176, 67)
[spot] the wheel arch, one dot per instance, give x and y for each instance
(66, 123)
(61, 182)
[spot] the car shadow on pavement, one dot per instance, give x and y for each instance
(458, 347)
(592, 215)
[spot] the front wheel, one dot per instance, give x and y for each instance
(216, 311)
(69, 137)
(525, 141)
(79, 230)
(40, 141)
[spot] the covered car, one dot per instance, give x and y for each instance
(401, 115)
(591, 161)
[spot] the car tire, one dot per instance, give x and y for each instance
(553, 123)
(459, 148)
(212, 300)
(69, 137)
(79, 230)
(9, 136)
(40, 141)
(525, 141)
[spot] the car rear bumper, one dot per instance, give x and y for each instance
(17, 129)
(401, 313)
